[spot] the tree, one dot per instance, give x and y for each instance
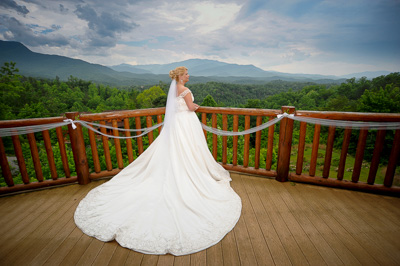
(146, 98)
(382, 100)
(11, 89)
(209, 101)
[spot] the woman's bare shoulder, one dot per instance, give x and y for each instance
(182, 89)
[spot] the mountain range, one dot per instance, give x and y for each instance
(201, 70)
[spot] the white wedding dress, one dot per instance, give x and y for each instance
(174, 198)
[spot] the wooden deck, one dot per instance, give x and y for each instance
(281, 223)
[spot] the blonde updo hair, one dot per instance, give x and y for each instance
(179, 71)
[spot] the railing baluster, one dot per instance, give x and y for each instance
(128, 141)
(258, 144)
(315, 147)
(139, 140)
(270, 148)
(159, 121)
(246, 148)
(106, 148)
(224, 139)
(117, 144)
(35, 156)
(20, 159)
(362, 139)
(214, 124)
(204, 121)
(149, 123)
(235, 139)
(5, 168)
(63, 152)
(301, 146)
(328, 151)
(394, 156)
(343, 155)
(373, 169)
(95, 154)
(50, 155)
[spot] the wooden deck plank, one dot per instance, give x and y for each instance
(332, 217)
(214, 254)
(106, 253)
(17, 216)
(306, 245)
(245, 248)
(77, 250)
(229, 254)
(385, 207)
(90, 254)
(166, 260)
(150, 260)
(330, 247)
(288, 241)
(64, 248)
(375, 243)
(13, 205)
(182, 260)
(119, 257)
(134, 258)
(199, 258)
(52, 244)
(275, 245)
(385, 220)
(283, 221)
(34, 228)
(260, 247)
(34, 243)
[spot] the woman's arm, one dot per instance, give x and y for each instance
(189, 102)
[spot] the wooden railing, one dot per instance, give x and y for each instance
(88, 146)
(39, 180)
(337, 181)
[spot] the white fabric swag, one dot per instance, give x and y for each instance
(4, 132)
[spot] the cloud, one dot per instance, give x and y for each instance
(10, 4)
(17, 31)
(103, 28)
(292, 35)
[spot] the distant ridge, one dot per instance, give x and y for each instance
(201, 70)
(213, 68)
(367, 74)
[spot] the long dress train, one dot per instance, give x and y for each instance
(174, 198)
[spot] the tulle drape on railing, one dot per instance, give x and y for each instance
(95, 127)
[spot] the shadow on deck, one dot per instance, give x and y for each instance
(281, 223)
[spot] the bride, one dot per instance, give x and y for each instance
(174, 198)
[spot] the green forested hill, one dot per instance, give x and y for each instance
(24, 97)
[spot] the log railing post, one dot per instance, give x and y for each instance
(78, 150)
(285, 145)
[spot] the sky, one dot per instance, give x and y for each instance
(329, 37)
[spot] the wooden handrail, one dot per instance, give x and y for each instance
(30, 122)
(351, 116)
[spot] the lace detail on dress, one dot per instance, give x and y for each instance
(182, 106)
(184, 93)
